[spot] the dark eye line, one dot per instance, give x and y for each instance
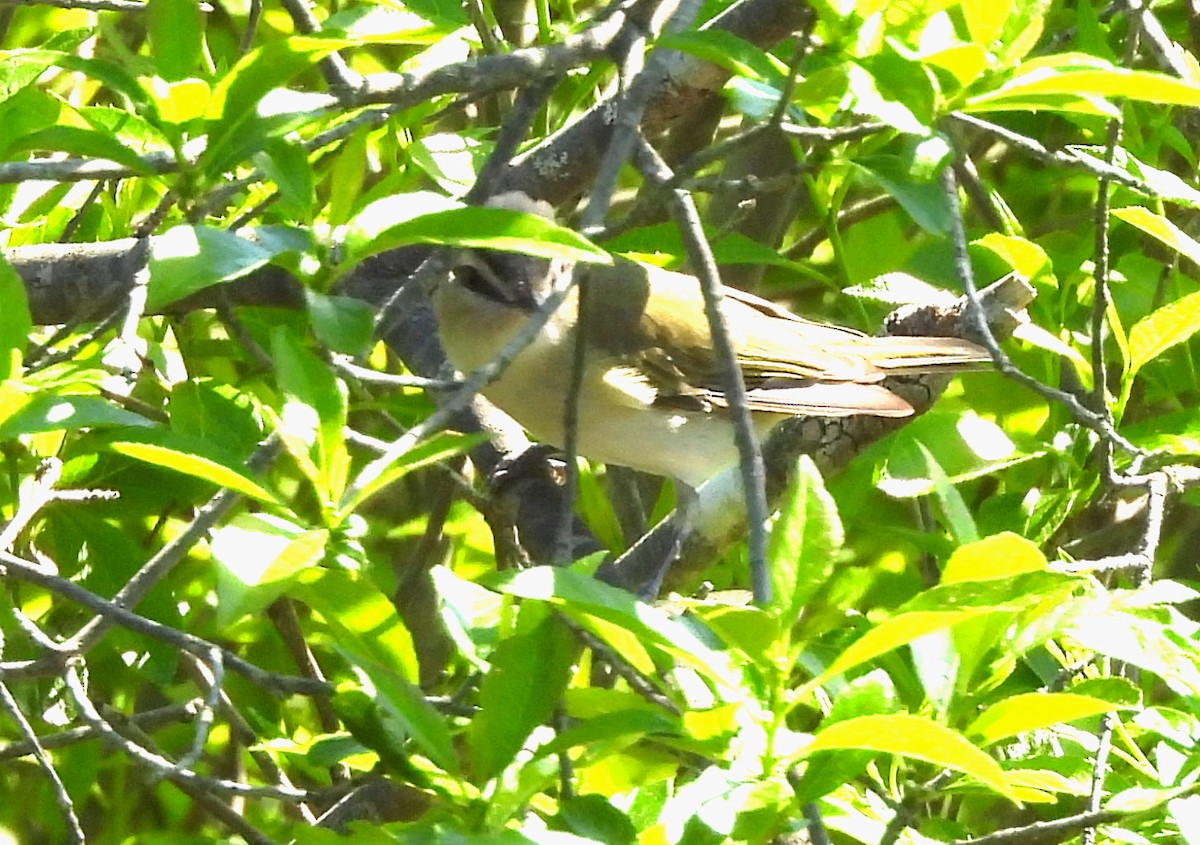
(477, 282)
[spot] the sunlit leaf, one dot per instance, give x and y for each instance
(916, 737)
(259, 556)
(998, 556)
(803, 543)
(15, 323)
(48, 412)
(192, 457)
(187, 259)
(1036, 710)
(429, 218)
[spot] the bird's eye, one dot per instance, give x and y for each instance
(498, 277)
(476, 281)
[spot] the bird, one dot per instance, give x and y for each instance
(651, 394)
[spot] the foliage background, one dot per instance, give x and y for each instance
(980, 628)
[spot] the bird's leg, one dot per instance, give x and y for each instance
(528, 488)
(656, 551)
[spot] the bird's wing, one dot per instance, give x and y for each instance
(662, 346)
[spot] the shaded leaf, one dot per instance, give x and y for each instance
(529, 671)
(15, 323)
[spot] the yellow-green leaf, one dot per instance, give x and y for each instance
(194, 465)
(1035, 710)
(916, 737)
(999, 556)
(1157, 226)
(1155, 333)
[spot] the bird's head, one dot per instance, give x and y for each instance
(512, 279)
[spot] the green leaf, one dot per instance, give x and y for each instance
(587, 601)
(259, 557)
(287, 165)
(1147, 643)
(450, 159)
(65, 413)
(407, 219)
(1044, 78)
(470, 613)
(900, 630)
(804, 542)
(82, 142)
(180, 102)
(954, 509)
(15, 322)
(1139, 799)
(726, 50)
(595, 819)
(249, 108)
(383, 471)
(1161, 228)
(1163, 183)
(370, 636)
(342, 323)
(397, 25)
(374, 721)
(923, 199)
(870, 101)
(116, 77)
(1012, 593)
(346, 177)
(363, 622)
(176, 37)
(1157, 332)
(530, 669)
(966, 446)
(27, 111)
(618, 726)
(190, 456)
(999, 556)
(1027, 258)
(187, 259)
(868, 695)
(1036, 710)
(208, 410)
(916, 737)
(314, 414)
(1068, 103)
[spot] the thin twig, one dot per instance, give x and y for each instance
(1057, 830)
(753, 471)
(230, 816)
(1099, 771)
(161, 766)
(243, 733)
(983, 333)
(337, 73)
(37, 497)
(140, 583)
(1056, 157)
(110, 613)
(61, 797)
(147, 720)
